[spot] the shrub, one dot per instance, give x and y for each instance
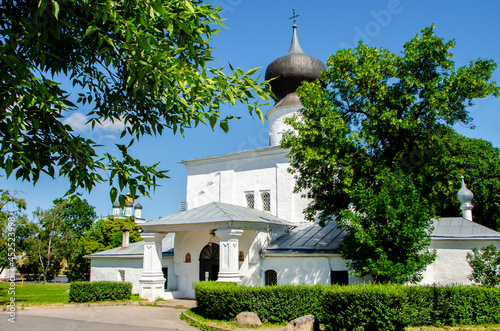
(276, 304)
(485, 264)
(358, 307)
(99, 291)
(366, 307)
(466, 305)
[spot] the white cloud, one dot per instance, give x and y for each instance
(116, 126)
(78, 122)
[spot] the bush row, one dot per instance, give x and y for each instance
(99, 291)
(275, 304)
(358, 307)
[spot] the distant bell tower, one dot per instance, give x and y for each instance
(290, 71)
(129, 210)
(116, 208)
(138, 210)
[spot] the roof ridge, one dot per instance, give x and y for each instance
(218, 205)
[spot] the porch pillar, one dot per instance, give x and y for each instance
(228, 255)
(152, 281)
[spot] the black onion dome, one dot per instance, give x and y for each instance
(292, 69)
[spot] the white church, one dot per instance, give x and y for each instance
(245, 225)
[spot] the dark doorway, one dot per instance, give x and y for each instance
(165, 275)
(209, 261)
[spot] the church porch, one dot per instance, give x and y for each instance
(216, 241)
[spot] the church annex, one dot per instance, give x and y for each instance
(245, 225)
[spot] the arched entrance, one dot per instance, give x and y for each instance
(209, 261)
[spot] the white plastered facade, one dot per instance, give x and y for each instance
(270, 235)
(227, 179)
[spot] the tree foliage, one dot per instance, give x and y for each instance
(110, 231)
(46, 247)
(141, 62)
(78, 215)
(55, 240)
(485, 264)
(10, 206)
(389, 230)
(437, 164)
(366, 116)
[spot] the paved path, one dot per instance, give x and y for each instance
(112, 318)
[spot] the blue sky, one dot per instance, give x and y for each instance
(259, 32)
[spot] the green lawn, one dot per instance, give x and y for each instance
(29, 294)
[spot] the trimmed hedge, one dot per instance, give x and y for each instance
(392, 307)
(99, 291)
(274, 304)
(358, 307)
(368, 307)
(467, 305)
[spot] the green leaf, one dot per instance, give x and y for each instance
(113, 193)
(55, 9)
(9, 166)
(251, 71)
(42, 4)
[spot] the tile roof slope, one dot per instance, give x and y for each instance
(217, 212)
(459, 227)
(309, 238)
(312, 238)
(137, 249)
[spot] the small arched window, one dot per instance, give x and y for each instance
(271, 278)
(250, 200)
(340, 277)
(266, 201)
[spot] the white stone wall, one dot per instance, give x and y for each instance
(108, 269)
(228, 178)
(308, 269)
(276, 120)
(451, 266)
(194, 241)
(187, 273)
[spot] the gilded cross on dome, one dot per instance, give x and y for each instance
(294, 16)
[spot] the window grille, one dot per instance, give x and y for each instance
(339, 277)
(271, 278)
(266, 201)
(250, 200)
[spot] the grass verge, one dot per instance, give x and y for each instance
(38, 294)
(206, 324)
(29, 294)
